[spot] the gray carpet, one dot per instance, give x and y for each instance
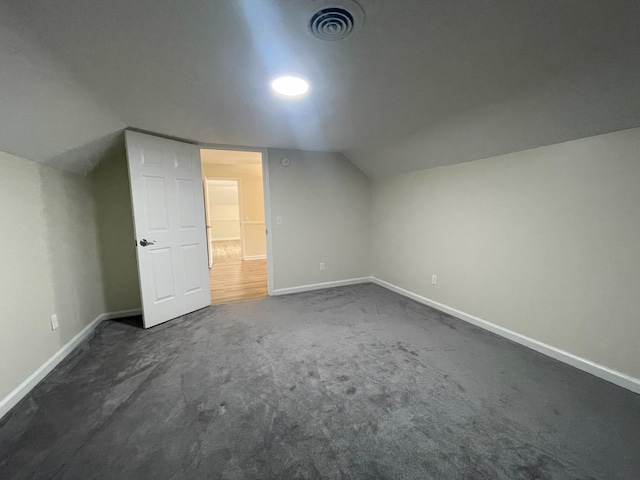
(352, 382)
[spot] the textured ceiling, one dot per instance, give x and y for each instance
(46, 114)
(420, 84)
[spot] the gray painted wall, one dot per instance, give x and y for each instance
(544, 242)
(325, 204)
(110, 182)
(50, 264)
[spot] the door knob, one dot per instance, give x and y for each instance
(144, 242)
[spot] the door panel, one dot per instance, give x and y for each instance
(168, 211)
(155, 204)
(192, 257)
(162, 268)
(186, 203)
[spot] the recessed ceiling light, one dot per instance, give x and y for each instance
(290, 86)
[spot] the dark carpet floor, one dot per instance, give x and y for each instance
(353, 382)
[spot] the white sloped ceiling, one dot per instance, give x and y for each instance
(419, 84)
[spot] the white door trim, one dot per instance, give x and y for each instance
(207, 220)
(267, 219)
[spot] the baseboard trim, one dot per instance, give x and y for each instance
(8, 402)
(320, 286)
(600, 371)
(255, 257)
(224, 239)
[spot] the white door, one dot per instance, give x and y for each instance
(168, 213)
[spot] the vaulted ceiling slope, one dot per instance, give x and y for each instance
(46, 114)
(419, 84)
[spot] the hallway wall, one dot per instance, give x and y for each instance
(252, 192)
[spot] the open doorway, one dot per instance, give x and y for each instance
(223, 210)
(235, 217)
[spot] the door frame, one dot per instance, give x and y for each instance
(240, 206)
(207, 220)
(267, 200)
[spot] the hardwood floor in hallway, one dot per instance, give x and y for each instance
(233, 279)
(227, 251)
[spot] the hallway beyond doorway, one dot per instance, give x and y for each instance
(234, 279)
(238, 280)
(226, 251)
(236, 228)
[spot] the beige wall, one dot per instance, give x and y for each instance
(324, 202)
(224, 211)
(116, 242)
(545, 242)
(50, 264)
(251, 189)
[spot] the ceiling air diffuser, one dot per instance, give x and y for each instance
(336, 20)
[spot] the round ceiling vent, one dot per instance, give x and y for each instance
(331, 24)
(336, 20)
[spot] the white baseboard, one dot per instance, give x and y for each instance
(255, 257)
(8, 402)
(608, 374)
(319, 286)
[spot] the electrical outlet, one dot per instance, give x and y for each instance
(54, 321)
(322, 266)
(278, 220)
(434, 279)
